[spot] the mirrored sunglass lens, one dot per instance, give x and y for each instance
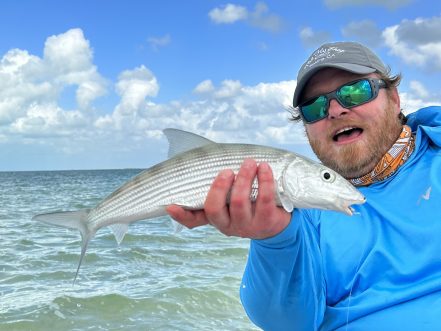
(315, 109)
(355, 94)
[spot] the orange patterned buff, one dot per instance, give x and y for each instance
(394, 158)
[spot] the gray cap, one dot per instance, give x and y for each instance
(349, 56)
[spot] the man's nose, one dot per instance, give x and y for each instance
(336, 110)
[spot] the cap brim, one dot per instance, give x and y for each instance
(354, 68)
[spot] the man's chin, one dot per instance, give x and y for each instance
(348, 160)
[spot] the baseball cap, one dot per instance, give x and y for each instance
(346, 55)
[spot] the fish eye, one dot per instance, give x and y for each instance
(327, 176)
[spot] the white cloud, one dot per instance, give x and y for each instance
(366, 31)
(422, 48)
(28, 82)
(134, 87)
(418, 88)
(411, 102)
(31, 113)
(260, 17)
(68, 58)
(391, 4)
(20, 84)
(420, 31)
(228, 112)
(228, 14)
(89, 90)
(44, 120)
(417, 96)
(157, 42)
(229, 89)
(31, 87)
(68, 53)
(205, 86)
(312, 38)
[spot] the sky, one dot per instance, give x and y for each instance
(91, 84)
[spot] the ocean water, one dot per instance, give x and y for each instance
(155, 280)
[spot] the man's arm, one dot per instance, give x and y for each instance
(283, 286)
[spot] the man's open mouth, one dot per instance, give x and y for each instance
(347, 133)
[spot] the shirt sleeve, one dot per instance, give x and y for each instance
(283, 286)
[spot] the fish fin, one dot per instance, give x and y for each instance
(286, 203)
(74, 220)
(177, 227)
(119, 231)
(84, 242)
(182, 141)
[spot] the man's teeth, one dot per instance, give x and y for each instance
(344, 130)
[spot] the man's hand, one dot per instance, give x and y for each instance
(241, 217)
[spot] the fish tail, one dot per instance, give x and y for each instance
(74, 220)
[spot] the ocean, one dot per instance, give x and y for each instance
(155, 280)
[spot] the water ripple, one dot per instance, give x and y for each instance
(156, 279)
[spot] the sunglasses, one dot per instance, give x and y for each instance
(348, 95)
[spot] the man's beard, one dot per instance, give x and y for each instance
(357, 159)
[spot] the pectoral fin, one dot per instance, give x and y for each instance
(286, 203)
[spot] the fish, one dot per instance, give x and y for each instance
(185, 178)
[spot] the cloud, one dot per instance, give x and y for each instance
(20, 85)
(158, 42)
(228, 89)
(205, 86)
(68, 59)
(417, 96)
(411, 102)
(365, 31)
(420, 31)
(228, 14)
(391, 4)
(416, 42)
(28, 82)
(263, 19)
(31, 112)
(312, 38)
(228, 112)
(417, 88)
(48, 120)
(260, 17)
(134, 87)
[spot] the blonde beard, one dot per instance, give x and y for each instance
(358, 159)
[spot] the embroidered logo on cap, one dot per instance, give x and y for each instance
(322, 54)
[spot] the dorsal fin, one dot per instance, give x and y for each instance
(182, 141)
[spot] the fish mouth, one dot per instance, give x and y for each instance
(349, 209)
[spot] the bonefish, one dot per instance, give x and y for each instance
(185, 178)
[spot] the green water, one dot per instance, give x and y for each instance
(156, 279)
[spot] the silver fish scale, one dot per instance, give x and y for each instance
(184, 179)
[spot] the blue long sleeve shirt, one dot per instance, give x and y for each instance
(379, 269)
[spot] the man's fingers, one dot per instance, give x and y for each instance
(216, 208)
(240, 203)
(265, 202)
(188, 218)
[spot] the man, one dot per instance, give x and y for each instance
(322, 270)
